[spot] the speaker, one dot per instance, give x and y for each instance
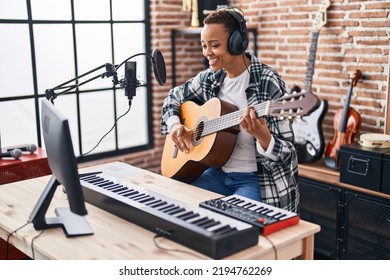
(238, 40)
(366, 231)
(319, 204)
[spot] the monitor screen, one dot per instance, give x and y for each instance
(62, 162)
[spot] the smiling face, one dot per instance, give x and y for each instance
(214, 40)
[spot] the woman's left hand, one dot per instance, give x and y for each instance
(257, 127)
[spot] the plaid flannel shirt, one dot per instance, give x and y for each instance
(278, 180)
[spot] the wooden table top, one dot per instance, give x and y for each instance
(115, 238)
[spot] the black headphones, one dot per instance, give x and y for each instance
(238, 40)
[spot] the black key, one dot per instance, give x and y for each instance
(166, 207)
(184, 215)
(193, 215)
(168, 211)
(129, 193)
(96, 180)
(119, 189)
(211, 223)
(159, 204)
(205, 222)
(259, 209)
(135, 195)
(222, 229)
(147, 199)
(199, 221)
(176, 211)
(108, 183)
(153, 202)
(111, 186)
(142, 196)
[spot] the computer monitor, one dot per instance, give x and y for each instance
(62, 162)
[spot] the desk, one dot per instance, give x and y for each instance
(12, 170)
(115, 238)
(26, 167)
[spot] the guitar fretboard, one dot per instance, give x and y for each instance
(231, 119)
(311, 62)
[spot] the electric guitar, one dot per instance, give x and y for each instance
(214, 128)
(308, 131)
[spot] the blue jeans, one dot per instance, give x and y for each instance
(244, 184)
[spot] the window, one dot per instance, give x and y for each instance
(46, 43)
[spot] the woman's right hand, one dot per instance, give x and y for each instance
(181, 136)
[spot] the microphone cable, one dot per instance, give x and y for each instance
(101, 139)
(8, 238)
(273, 247)
(32, 243)
(160, 234)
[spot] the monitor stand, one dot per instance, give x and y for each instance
(72, 224)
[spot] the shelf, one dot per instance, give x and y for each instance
(320, 172)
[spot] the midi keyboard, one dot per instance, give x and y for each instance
(266, 217)
(205, 231)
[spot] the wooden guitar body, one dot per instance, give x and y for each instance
(214, 127)
(212, 150)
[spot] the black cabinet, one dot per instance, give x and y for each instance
(354, 225)
(366, 227)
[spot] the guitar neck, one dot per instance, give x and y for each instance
(344, 117)
(312, 58)
(232, 119)
(287, 106)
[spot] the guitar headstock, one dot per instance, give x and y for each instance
(294, 105)
(321, 17)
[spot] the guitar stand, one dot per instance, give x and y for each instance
(332, 163)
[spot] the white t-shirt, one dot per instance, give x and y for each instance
(243, 158)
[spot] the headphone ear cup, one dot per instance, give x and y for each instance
(237, 43)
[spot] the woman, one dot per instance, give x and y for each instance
(263, 165)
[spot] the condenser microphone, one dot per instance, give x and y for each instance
(131, 82)
(29, 148)
(15, 153)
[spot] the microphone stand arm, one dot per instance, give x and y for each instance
(110, 71)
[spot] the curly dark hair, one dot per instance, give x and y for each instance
(223, 17)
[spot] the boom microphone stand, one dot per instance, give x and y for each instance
(130, 82)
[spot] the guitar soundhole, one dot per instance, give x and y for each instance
(197, 133)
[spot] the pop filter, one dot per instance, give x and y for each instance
(159, 67)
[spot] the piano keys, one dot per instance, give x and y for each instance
(205, 231)
(266, 217)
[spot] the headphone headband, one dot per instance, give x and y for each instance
(238, 40)
(238, 14)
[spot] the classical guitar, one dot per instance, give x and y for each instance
(308, 131)
(346, 124)
(214, 128)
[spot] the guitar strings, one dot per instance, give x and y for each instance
(221, 123)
